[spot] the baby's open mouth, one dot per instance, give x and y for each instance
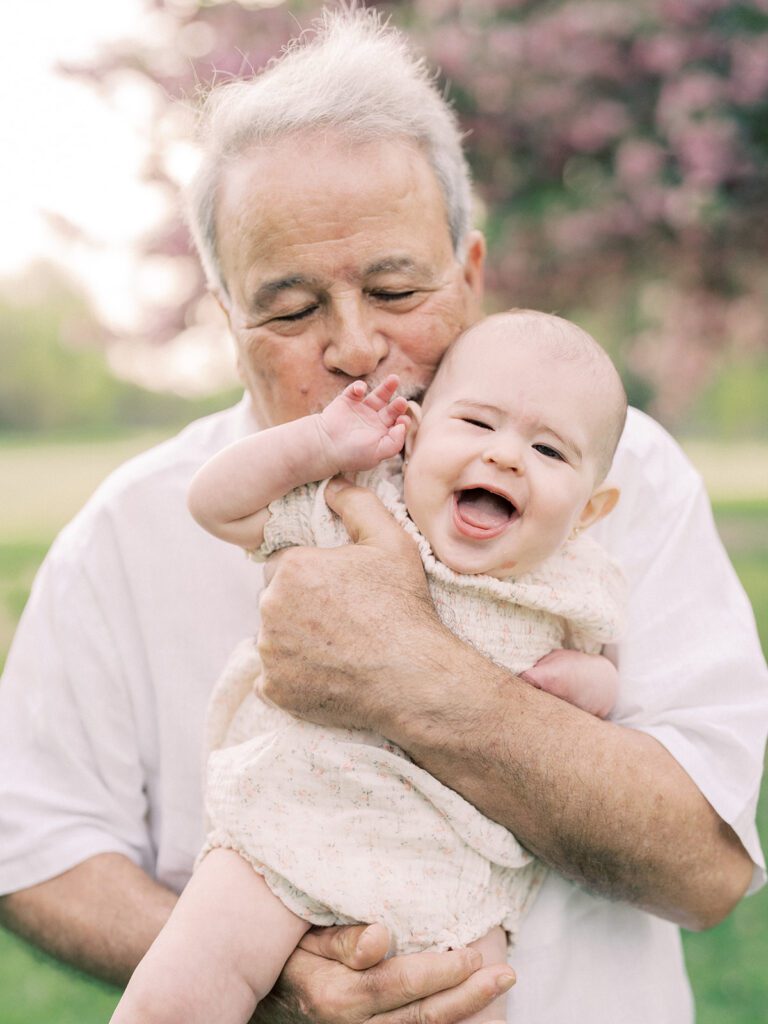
(484, 510)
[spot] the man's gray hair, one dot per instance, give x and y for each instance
(354, 74)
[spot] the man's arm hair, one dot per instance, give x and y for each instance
(100, 917)
(606, 806)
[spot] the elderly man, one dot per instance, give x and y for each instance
(332, 216)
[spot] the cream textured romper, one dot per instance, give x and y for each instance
(343, 826)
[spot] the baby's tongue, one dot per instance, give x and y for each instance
(483, 509)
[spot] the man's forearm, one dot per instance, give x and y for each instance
(100, 916)
(606, 806)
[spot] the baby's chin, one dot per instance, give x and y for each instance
(467, 566)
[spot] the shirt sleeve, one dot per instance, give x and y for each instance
(691, 668)
(289, 523)
(72, 767)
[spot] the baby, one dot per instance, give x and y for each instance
(504, 466)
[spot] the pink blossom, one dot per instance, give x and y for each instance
(593, 127)
(638, 161)
(707, 151)
(693, 94)
(749, 69)
(662, 54)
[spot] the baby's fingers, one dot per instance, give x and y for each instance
(394, 411)
(356, 391)
(392, 442)
(382, 393)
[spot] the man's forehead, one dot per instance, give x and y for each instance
(357, 214)
(321, 165)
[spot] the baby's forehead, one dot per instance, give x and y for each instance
(495, 352)
(541, 355)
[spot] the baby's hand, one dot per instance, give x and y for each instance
(589, 681)
(365, 427)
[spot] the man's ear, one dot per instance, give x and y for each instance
(474, 267)
(414, 421)
(599, 505)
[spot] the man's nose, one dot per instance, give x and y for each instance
(355, 346)
(505, 454)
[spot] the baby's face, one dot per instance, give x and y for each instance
(504, 461)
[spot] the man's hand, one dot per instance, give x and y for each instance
(340, 976)
(338, 609)
(362, 427)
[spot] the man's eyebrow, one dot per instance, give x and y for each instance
(393, 264)
(267, 292)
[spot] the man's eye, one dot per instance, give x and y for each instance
(476, 423)
(393, 296)
(291, 317)
(551, 453)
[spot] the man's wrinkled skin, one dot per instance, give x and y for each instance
(463, 987)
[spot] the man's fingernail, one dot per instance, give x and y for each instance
(504, 982)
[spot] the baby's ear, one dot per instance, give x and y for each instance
(414, 421)
(599, 505)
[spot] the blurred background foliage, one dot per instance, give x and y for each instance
(619, 151)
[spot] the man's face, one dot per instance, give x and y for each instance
(339, 265)
(502, 466)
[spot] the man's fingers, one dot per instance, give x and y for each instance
(365, 518)
(394, 984)
(455, 1004)
(270, 566)
(358, 946)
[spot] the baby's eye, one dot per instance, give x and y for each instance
(476, 423)
(551, 453)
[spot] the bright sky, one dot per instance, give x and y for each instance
(67, 150)
(63, 149)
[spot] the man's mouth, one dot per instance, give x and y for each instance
(482, 514)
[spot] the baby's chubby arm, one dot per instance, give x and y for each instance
(359, 429)
(588, 681)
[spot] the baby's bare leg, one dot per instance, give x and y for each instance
(220, 952)
(493, 947)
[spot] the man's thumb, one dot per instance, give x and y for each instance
(365, 518)
(359, 946)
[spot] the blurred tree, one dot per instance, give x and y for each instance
(55, 376)
(620, 153)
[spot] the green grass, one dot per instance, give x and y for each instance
(35, 989)
(43, 484)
